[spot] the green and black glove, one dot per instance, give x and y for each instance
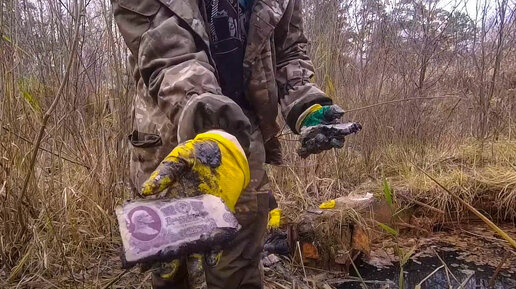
(321, 129)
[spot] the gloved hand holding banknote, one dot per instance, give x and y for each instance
(199, 183)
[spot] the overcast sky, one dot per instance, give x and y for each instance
(469, 6)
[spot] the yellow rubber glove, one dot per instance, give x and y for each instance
(194, 266)
(212, 163)
(274, 219)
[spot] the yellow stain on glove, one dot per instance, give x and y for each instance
(213, 162)
(169, 270)
(274, 219)
(328, 205)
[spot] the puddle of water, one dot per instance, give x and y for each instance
(415, 271)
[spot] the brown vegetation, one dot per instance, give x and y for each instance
(444, 74)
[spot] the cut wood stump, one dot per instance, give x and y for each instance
(330, 238)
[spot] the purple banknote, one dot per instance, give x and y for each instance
(163, 229)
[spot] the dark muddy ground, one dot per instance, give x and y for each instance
(467, 273)
(471, 253)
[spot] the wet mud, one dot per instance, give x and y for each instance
(208, 153)
(320, 138)
(167, 172)
(471, 252)
(472, 275)
(335, 112)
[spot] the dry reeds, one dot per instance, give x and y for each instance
(60, 231)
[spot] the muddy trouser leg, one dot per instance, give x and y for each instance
(240, 264)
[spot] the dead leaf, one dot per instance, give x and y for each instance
(310, 251)
(360, 240)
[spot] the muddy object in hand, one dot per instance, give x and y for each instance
(319, 138)
(165, 229)
(333, 114)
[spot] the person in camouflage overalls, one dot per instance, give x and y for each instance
(228, 65)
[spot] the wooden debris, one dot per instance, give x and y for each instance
(328, 236)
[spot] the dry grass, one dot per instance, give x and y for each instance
(64, 234)
(74, 232)
(482, 177)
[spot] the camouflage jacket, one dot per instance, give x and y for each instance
(178, 95)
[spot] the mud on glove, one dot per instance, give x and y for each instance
(322, 130)
(212, 163)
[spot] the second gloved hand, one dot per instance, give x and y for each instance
(317, 114)
(321, 129)
(212, 163)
